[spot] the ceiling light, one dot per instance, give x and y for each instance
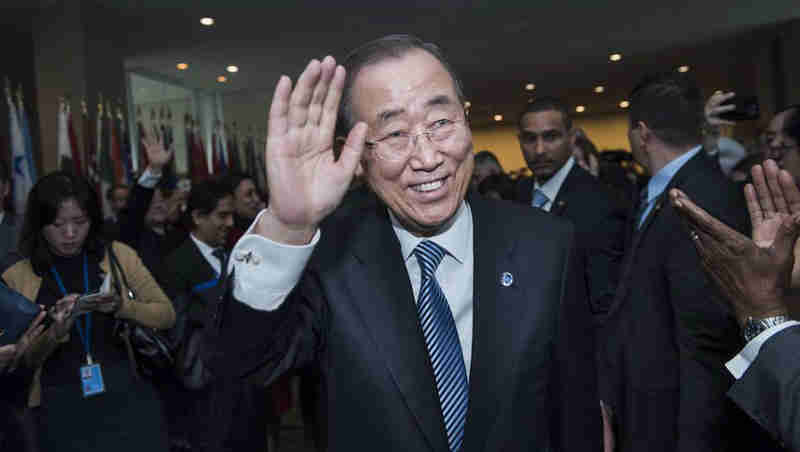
(599, 89)
(232, 69)
(624, 104)
(182, 66)
(615, 57)
(222, 79)
(683, 69)
(467, 104)
(207, 21)
(580, 108)
(498, 117)
(530, 87)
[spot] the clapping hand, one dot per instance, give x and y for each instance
(753, 274)
(306, 181)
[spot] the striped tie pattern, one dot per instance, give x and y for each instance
(444, 348)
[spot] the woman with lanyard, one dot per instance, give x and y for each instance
(84, 393)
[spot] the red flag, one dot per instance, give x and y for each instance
(88, 142)
(199, 158)
(73, 142)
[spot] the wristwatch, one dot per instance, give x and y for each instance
(754, 327)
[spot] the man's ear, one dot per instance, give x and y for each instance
(645, 134)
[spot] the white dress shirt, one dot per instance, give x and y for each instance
(2, 216)
(149, 178)
(553, 185)
(208, 253)
(739, 364)
(267, 271)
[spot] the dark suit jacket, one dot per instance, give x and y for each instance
(9, 239)
(186, 275)
(153, 248)
(600, 222)
(769, 390)
(666, 340)
(353, 315)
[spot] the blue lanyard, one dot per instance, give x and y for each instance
(85, 332)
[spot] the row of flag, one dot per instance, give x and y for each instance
(104, 154)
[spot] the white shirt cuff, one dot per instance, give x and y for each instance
(739, 364)
(149, 178)
(267, 271)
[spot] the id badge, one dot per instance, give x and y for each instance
(92, 380)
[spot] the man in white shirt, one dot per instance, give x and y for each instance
(435, 323)
(753, 275)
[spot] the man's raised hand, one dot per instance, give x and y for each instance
(157, 156)
(306, 181)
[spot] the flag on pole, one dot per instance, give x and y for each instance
(200, 160)
(26, 134)
(125, 148)
(88, 143)
(114, 148)
(105, 170)
(68, 158)
(21, 178)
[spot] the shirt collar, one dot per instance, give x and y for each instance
(2, 216)
(452, 238)
(205, 249)
(658, 183)
(553, 185)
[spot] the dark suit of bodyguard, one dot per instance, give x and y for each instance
(664, 345)
(342, 296)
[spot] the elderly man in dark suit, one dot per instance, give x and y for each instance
(664, 344)
(436, 323)
(560, 186)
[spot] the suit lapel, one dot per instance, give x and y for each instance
(390, 315)
(496, 312)
(200, 270)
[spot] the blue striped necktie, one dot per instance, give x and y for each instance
(444, 348)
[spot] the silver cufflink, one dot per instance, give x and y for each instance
(247, 258)
(506, 279)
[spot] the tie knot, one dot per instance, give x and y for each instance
(429, 255)
(219, 253)
(539, 199)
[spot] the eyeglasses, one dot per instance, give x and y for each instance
(396, 145)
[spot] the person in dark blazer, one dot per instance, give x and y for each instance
(752, 275)
(10, 224)
(221, 416)
(144, 221)
(560, 186)
(436, 323)
(664, 345)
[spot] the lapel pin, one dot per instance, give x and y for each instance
(506, 279)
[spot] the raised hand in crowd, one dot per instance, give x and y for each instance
(753, 274)
(306, 180)
(157, 156)
(10, 354)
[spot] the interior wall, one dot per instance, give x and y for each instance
(605, 131)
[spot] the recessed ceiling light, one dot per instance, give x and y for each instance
(599, 89)
(624, 104)
(530, 87)
(207, 21)
(182, 66)
(467, 104)
(615, 57)
(222, 79)
(498, 117)
(683, 69)
(580, 108)
(232, 69)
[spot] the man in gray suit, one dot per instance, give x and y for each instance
(10, 224)
(753, 275)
